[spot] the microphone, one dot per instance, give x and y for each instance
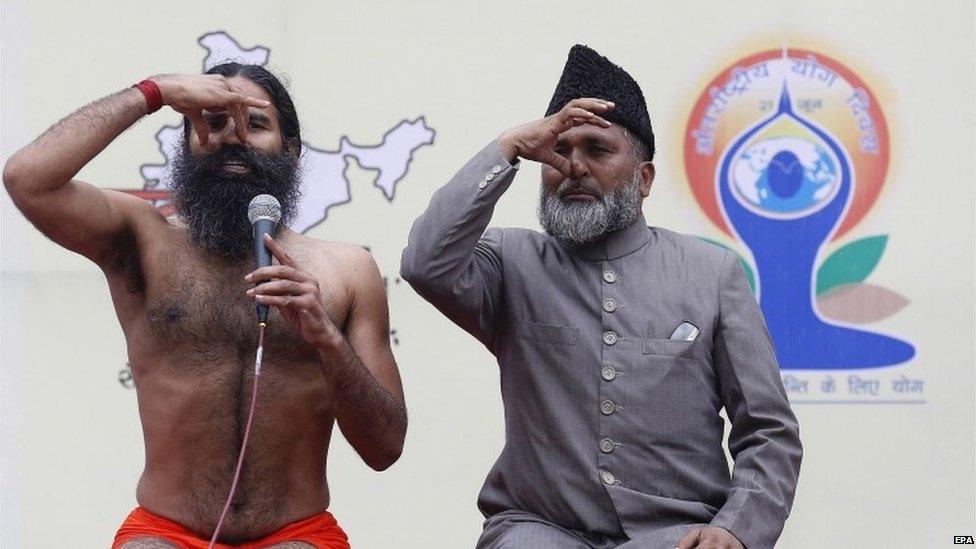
(264, 213)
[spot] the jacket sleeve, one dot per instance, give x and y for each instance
(450, 260)
(765, 439)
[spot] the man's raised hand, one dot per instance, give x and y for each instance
(537, 140)
(190, 95)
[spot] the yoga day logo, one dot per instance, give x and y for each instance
(786, 151)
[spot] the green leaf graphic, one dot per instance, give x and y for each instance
(851, 264)
(750, 278)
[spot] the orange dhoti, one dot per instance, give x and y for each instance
(321, 531)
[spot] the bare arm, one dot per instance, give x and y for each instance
(369, 395)
(80, 216)
(74, 214)
(357, 361)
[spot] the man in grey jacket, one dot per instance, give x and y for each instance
(618, 344)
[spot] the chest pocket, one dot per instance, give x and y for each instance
(547, 333)
(686, 366)
(671, 347)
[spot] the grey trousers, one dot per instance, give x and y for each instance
(521, 530)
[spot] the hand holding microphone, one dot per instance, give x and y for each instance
(290, 288)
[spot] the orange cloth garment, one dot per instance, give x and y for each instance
(322, 531)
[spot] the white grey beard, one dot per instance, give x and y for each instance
(585, 222)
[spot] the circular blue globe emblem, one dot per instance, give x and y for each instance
(784, 177)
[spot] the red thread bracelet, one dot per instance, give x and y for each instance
(154, 97)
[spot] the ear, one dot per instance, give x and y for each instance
(293, 147)
(647, 178)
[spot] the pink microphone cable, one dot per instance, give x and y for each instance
(247, 432)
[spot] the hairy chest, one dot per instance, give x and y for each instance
(201, 306)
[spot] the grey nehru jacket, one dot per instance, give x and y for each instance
(611, 428)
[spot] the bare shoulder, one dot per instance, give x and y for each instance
(351, 257)
(352, 264)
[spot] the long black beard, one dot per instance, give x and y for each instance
(213, 203)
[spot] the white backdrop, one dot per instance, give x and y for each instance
(874, 474)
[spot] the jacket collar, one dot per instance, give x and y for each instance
(614, 245)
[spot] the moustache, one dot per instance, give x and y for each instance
(240, 155)
(578, 186)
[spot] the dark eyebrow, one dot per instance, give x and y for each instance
(258, 117)
(596, 141)
(588, 141)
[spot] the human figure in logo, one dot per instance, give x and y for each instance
(618, 344)
(185, 292)
(785, 216)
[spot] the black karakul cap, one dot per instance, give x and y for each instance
(589, 74)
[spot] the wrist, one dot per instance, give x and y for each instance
(331, 353)
(506, 143)
(328, 342)
(167, 87)
(152, 93)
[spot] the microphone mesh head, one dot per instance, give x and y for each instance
(264, 206)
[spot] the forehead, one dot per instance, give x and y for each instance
(248, 87)
(586, 133)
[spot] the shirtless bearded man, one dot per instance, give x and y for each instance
(184, 293)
